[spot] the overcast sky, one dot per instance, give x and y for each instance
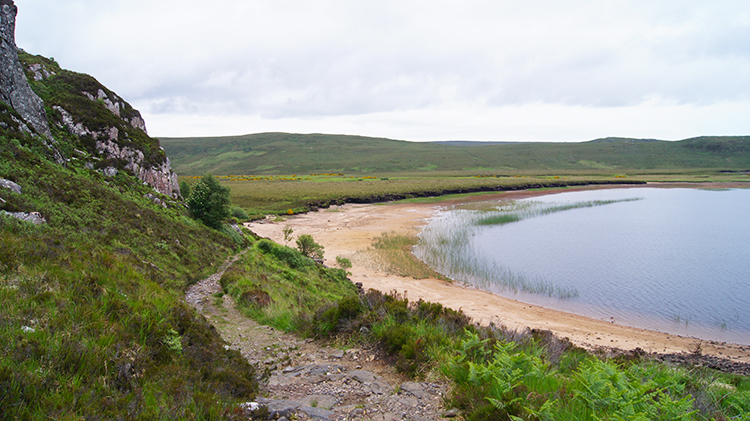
(413, 70)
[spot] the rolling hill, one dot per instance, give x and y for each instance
(286, 153)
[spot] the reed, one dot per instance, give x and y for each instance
(445, 245)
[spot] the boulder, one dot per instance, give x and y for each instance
(10, 185)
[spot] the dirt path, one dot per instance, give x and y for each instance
(303, 379)
(348, 230)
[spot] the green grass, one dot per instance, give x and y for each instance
(279, 286)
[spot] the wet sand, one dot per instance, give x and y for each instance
(348, 230)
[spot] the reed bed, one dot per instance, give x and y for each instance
(445, 245)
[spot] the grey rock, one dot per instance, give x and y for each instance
(363, 376)
(338, 355)
(14, 87)
(413, 388)
(404, 400)
(372, 383)
(307, 374)
(155, 199)
(317, 413)
(110, 172)
(74, 128)
(451, 413)
(34, 217)
(160, 177)
(357, 413)
(40, 72)
(279, 408)
(320, 401)
(10, 185)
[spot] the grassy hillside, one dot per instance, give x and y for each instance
(93, 323)
(284, 153)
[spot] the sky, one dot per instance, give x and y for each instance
(531, 70)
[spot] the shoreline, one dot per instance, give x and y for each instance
(349, 229)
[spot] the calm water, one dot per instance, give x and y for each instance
(678, 260)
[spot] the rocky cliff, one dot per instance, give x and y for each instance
(80, 118)
(14, 88)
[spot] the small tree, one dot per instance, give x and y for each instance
(209, 201)
(343, 262)
(288, 231)
(309, 247)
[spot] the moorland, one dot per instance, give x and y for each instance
(274, 173)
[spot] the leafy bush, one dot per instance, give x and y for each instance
(290, 256)
(343, 262)
(209, 201)
(239, 213)
(308, 247)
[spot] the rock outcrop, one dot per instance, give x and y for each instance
(14, 87)
(7, 184)
(111, 133)
(159, 176)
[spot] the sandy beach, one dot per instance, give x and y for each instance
(349, 230)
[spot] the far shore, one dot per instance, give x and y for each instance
(348, 230)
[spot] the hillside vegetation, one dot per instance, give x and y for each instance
(285, 153)
(94, 325)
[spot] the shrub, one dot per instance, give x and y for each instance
(209, 201)
(343, 262)
(288, 255)
(308, 247)
(239, 213)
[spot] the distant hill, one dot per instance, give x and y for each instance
(287, 153)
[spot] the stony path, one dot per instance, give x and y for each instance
(305, 380)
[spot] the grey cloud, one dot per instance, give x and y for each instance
(340, 58)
